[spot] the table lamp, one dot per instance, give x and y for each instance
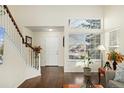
(101, 48)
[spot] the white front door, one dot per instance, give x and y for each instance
(52, 51)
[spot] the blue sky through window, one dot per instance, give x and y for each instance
(2, 31)
(1, 34)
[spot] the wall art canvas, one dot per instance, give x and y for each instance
(2, 32)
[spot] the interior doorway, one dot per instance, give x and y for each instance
(52, 50)
(52, 46)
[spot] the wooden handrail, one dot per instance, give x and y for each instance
(12, 19)
(29, 46)
(16, 26)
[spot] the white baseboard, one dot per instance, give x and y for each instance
(31, 72)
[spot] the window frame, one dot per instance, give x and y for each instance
(83, 32)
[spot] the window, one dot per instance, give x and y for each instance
(85, 23)
(94, 41)
(1, 44)
(113, 40)
(80, 44)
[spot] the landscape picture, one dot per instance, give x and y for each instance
(1, 44)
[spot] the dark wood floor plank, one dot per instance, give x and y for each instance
(54, 77)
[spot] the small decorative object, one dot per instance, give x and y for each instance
(28, 41)
(37, 49)
(116, 58)
(107, 65)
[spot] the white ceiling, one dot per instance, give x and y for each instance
(46, 28)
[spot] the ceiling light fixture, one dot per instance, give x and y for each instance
(50, 29)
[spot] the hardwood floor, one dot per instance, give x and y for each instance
(54, 77)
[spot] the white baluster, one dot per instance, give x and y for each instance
(0, 15)
(39, 62)
(6, 23)
(33, 59)
(27, 53)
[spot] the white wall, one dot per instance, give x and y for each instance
(114, 19)
(56, 16)
(14, 70)
(50, 15)
(40, 37)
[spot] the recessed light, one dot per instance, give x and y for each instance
(50, 29)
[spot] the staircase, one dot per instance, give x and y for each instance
(26, 51)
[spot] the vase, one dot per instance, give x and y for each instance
(87, 71)
(114, 65)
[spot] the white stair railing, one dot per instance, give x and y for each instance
(14, 35)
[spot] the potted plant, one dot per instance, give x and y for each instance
(85, 63)
(115, 57)
(37, 50)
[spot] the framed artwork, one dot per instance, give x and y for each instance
(28, 40)
(2, 32)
